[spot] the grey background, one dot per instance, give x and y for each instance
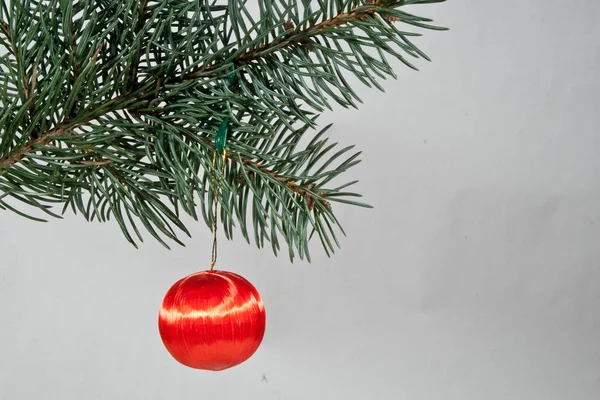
(477, 275)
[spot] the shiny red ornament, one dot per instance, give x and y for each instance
(212, 320)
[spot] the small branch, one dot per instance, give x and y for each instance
(10, 160)
(75, 68)
(36, 130)
(6, 30)
(12, 49)
(95, 55)
(117, 175)
(4, 195)
(299, 38)
(46, 137)
(301, 191)
(290, 183)
(92, 162)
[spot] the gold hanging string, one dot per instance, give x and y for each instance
(220, 144)
(216, 187)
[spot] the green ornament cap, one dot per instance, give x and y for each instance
(221, 139)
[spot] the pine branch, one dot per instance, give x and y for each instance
(280, 84)
(297, 38)
(110, 108)
(7, 161)
(303, 191)
(293, 185)
(65, 128)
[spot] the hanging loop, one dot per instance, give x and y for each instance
(216, 184)
(220, 148)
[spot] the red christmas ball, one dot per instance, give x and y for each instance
(212, 320)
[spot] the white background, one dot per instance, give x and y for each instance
(476, 276)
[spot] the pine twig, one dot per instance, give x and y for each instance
(304, 192)
(117, 175)
(62, 130)
(28, 90)
(299, 38)
(6, 30)
(300, 190)
(10, 160)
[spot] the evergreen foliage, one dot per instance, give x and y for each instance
(110, 108)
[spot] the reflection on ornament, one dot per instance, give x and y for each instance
(212, 320)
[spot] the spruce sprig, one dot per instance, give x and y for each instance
(110, 108)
